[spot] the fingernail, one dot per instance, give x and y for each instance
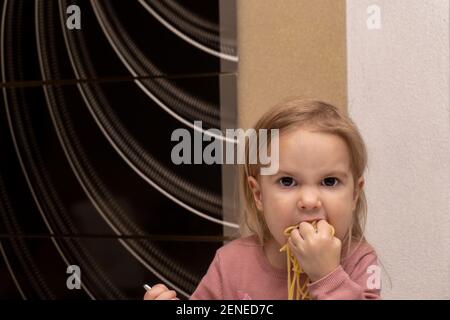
(147, 287)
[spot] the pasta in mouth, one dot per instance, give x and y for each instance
(296, 291)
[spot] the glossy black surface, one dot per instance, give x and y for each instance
(117, 39)
(36, 268)
(86, 118)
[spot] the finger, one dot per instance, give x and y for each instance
(338, 243)
(296, 240)
(167, 295)
(155, 291)
(324, 228)
(306, 230)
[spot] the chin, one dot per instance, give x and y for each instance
(283, 241)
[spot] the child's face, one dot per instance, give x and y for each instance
(314, 181)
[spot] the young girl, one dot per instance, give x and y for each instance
(314, 204)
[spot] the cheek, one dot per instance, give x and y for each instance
(340, 214)
(341, 225)
(276, 210)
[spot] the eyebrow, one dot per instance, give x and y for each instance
(338, 173)
(329, 174)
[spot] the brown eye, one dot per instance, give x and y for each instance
(287, 182)
(330, 182)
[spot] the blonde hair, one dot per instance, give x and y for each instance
(322, 117)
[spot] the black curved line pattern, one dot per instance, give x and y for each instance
(86, 176)
(195, 26)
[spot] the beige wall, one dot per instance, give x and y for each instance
(289, 48)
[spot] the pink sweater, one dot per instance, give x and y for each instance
(241, 271)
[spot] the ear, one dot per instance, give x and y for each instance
(358, 189)
(256, 191)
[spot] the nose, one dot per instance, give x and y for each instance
(309, 199)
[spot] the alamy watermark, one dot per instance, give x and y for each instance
(74, 280)
(373, 21)
(374, 280)
(213, 153)
(74, 19)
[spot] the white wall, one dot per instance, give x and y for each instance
(398, 94)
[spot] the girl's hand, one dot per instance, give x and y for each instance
(318, 253)
(160, 292)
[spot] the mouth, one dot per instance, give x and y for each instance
(288, 230)
(313, 222)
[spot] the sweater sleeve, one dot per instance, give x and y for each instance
(359, 285)
(210, 287)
